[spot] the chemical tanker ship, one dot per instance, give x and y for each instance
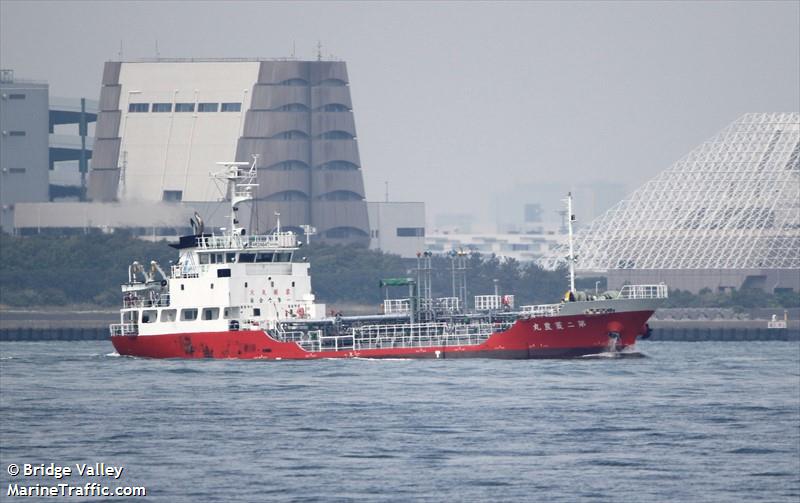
(242, 296)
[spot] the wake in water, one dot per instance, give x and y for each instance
(611, 353)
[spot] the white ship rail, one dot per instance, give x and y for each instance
(399, 306)
(310, 340)
(280, 240)
(123, 329)
(493, 302)
(643, 292)
(400, 336)
(448, 304)
(133, 301)
(539, 310)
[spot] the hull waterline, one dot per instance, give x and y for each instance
(550, 337)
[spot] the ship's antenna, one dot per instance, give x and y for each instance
(120, 50)
(571, 258)
(278, 224)
(158, 55)
(319, 50)
(241, 182)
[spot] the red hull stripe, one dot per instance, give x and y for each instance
(554, 337)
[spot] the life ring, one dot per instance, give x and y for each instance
(301, 312)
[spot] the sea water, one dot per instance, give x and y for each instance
(706, 421)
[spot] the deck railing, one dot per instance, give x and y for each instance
(162, 300)
(493, 302)
(122, 329)
(643, 292)
(391, 306)
(541, 310)
(282, 240)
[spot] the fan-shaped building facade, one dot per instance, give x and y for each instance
(725, 216)
(163, 124)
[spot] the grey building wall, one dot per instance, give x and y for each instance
(24, 140)
(301, 126)
(397, 227)
(104, 175)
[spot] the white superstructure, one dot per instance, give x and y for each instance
(226, 281)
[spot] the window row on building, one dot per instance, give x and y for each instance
(184, 107)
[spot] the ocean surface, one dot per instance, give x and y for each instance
(709, 421)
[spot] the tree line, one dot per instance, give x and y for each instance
(88, 270)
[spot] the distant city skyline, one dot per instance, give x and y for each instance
(470, 100)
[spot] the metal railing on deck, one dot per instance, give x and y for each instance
(493, 302)
(541, 310)
(391, 306)
(282, 240)
(643, 292)
(161, 300)
(121, 329)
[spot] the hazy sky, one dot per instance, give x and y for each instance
(455, 102)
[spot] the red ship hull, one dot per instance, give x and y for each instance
(551, 337)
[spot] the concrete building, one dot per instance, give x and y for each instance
(397, 227)
(163, 124)
(24, 136)
(523, 247)
(32, 143)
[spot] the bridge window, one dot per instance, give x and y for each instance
(231, 107)
(210, 313)
(184, 107)
(162, 107)
(149, 316)
(264, 257)
(247, 258)
(207, 107)
(283, 257)
(203, 258)
(16, 96)
(230, 258)
(138, 107)
(256, 311)
(168, 315)
(16, 133)
(188, 314)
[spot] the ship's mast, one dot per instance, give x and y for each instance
(571, 257)
(241, 185)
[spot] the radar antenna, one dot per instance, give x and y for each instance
(241, 180)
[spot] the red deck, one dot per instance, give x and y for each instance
(551, 337)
